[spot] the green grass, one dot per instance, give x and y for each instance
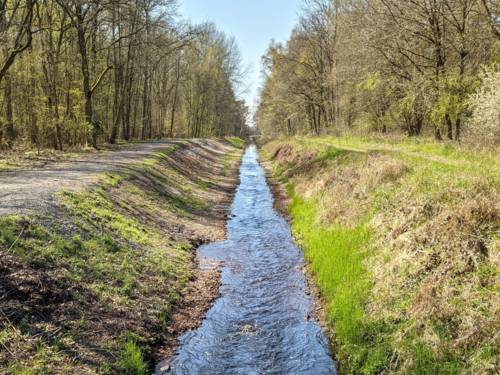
(131, 358)
(336, 257)
(236, 142)
(98, 208)
(417, 151)
(108, 264)
(4, 165)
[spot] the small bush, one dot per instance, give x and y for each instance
(131, 361)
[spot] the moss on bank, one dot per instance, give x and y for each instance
(89, 288)
(403, 240)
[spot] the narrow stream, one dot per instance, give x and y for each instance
(259, 324)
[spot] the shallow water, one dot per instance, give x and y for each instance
(259, 324)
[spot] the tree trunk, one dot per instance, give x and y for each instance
(449, 127)
(9, 114)
(118, 105)
(458, 129)
(145, 107)
(35, 136)
(128, 101)
(172, 114)
(87, 90)
(437, 133)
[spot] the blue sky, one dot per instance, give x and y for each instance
(254, 23)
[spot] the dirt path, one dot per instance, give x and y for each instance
(31, 190)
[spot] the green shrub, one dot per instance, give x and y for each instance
(131, 359)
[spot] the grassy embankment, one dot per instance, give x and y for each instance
(403, 240)
(90, 286)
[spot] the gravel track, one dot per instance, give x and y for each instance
(32, 190)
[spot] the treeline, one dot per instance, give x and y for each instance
(412, 66)
(74, 72)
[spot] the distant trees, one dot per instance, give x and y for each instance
(78, 71)
(379, 65)
(214, 64)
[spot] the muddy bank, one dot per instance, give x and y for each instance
(103, 278)
(281, 199)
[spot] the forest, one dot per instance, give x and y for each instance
(78, 72)
(414, 67)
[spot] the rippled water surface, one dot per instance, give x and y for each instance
(259, 323)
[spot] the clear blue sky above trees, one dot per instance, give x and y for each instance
(254, 23)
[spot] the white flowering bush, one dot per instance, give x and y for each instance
(485, 105)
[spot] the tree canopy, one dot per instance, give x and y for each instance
(74, 72)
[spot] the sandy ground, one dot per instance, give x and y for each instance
(31, 190)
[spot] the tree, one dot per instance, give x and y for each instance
(383, 65)
(16, 36)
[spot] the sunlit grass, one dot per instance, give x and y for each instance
(336, 256)
(236, 142)
(131, 358)
(3, 165)
(419, 150)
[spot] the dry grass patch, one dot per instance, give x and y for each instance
(438, 262)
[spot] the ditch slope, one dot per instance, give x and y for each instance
(97, 267)
(403, 240)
